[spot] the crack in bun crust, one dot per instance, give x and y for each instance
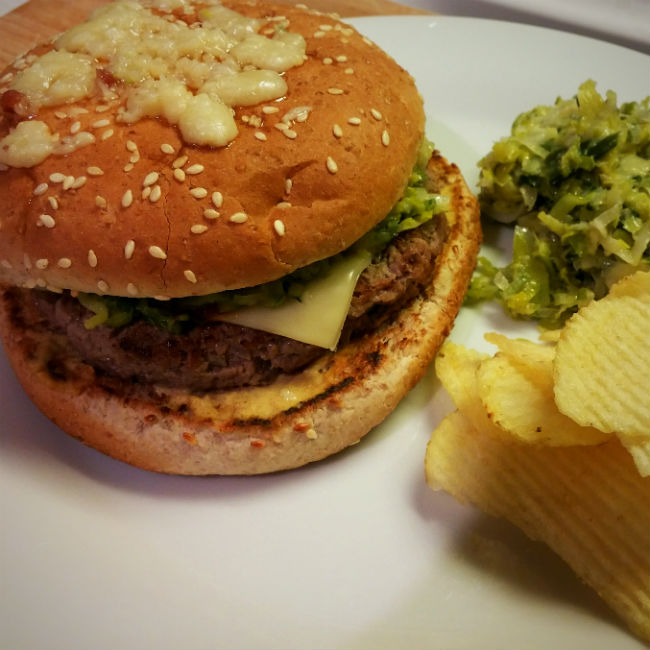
(294, 421)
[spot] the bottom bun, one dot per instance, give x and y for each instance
(296, 420)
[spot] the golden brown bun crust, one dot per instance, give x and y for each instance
(249, 431)
(328, 210)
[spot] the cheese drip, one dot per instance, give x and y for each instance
(318, 317)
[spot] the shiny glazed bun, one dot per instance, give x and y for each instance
(127, 203)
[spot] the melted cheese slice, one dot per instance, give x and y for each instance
(319, 316)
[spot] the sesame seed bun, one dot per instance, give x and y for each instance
(297, 419)
(141, 213)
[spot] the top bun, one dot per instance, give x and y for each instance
(134, 207)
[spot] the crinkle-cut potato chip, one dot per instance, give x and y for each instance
(456, 367)
(516, 390)
(602, 364)
(587, 503)
(522, 350)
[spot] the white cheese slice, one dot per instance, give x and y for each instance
(318, 317)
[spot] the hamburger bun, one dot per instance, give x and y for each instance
(297, 419)
(92, 220)
(263, 173)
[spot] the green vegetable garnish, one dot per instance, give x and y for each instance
(574, 179)
(416, 207)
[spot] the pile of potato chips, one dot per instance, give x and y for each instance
(555, 437)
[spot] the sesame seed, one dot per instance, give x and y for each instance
(385, 138)
(129, 247)
(101, 123)
(281, 126)
(195, 169)
(335, 91)
(290, 133)
(199, 192)
(189, 276)
(326, 27)
(76, 127)
(145, 193)
(217, 199)
(128, 168)
(78, 182)
(157, 252)
(209, 213)
(376, 114)
(46, 220)
(260, 136)
(68, 182)
(150, 179)
(328, 60)
(179, 175)
(135, 157)
(337, 131)
(349, 71)
(198, 228)
(238, 217)
(355, 121)
(107, 134)
(131, 146)
(341, 58)
(288, 185)
(102, 285)
(102, 108)
(127, 199)
(156, 193)
(64, 263)
(278, 226)
(42, 263)
(268, 110)
(57, 177)
(100, 201)
(332, 167)
(179, 162)
(319, 34)
(54, 203)
(41, 188)
(131, 289)
(92, 258)
(95, 171)
(167, 148)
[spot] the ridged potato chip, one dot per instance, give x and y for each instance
(602, 365)
(456, 366)
(516, 390)
(587, 503)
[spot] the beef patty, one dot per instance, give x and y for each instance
(216, 355)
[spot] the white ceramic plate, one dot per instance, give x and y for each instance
(353, 552)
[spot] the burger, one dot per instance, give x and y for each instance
(226, 246)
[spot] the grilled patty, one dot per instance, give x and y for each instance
(216, 355)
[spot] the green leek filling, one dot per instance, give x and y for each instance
(416, 207)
